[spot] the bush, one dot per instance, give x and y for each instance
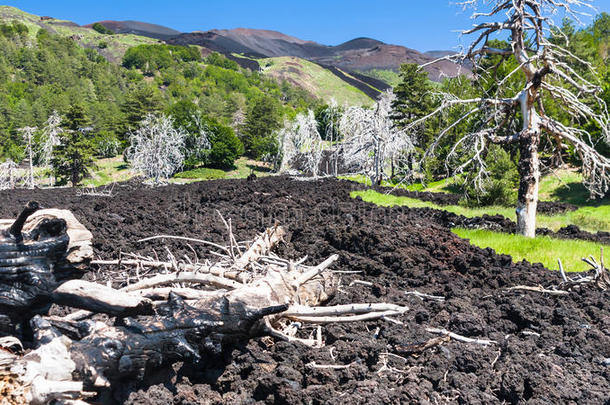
(102, 45)
(14, 29)
(101, 29)
(501, 184)
(221, 61)
(226, 146)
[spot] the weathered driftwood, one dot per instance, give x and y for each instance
(178, 332)
(38, 251)
(99, 298)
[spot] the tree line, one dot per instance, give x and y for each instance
(48, 75)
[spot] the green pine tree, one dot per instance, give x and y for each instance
(262, 120)
(72, 158)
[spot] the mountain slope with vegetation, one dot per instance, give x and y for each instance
(314, 78)
(47, 66)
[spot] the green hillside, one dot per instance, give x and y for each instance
(112, 47)
(315, 79)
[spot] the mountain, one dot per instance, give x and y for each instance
(357, 55)
(138, 28)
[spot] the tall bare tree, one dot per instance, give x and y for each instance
(8, 175)
(300, 138)
(549, 71)
(157, 147)
(372, 143)
(28, 135)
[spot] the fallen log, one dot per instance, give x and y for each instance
(39, 250)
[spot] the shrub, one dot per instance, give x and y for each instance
(221, 61)
(502, 181)
(226, 146)
(14, 29)
(102, 45)
(101, 29)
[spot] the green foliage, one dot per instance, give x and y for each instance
(150, 58)
(226, 146)
(328, 122)
(102, 45)
(219, 60)
(140, 101)
(101, 29)
(15, 29)
(73, 157)
(262, 120)
(499, 187)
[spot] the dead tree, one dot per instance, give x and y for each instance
(301, 140)
(49, 138)
(549, 71)
(372, 141)
(8, 176)
(28, 133)
(157, 147)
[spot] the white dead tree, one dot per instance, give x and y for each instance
(8, 178)
(28, 133)
(200, 145)
(300, 139)
(372, 142)
(49, 138)
(549, 71)
(157, 147)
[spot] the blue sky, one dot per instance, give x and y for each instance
(423, 25)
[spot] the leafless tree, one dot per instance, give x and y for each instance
(201, 145)
(300, 138)
(8, 176)
(549, 71)
(28, 134)
(157, 147)
(372, 141)
(49, 138)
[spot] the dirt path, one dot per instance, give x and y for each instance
(551, 349)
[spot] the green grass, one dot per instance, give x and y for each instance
(591, 219)
(440, 186)
(315, 79)
(109, 170)
(202, 173)
(388, 76)
(243, 168)
(542, 249)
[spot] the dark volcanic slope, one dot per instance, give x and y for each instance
(139, 28)
(359, 54)
(550, 349)
(215, 42)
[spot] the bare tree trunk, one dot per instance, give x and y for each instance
(31, 160)
(529, 167)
